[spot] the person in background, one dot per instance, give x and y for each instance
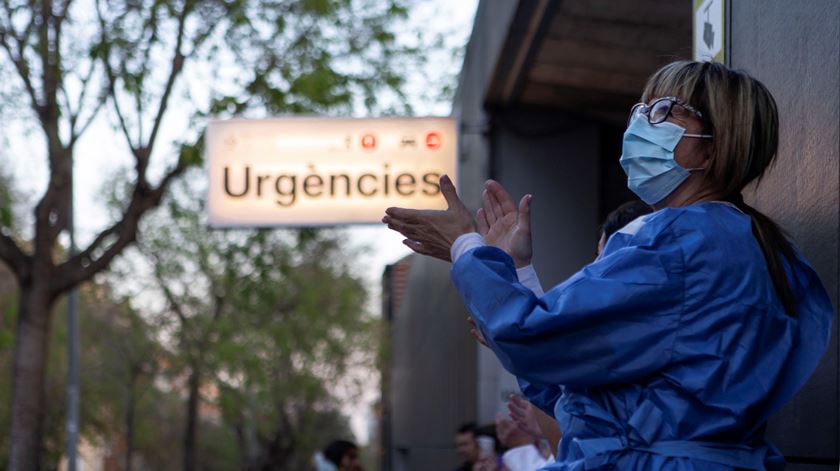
(522, 453)
(343, 455)
(321, 463)
(620, 217)
(466, 446)
(490, 449)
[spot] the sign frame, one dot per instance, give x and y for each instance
(365, 153)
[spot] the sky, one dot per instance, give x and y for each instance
(102, 152)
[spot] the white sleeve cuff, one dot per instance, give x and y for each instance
(528, 277)
(465, 243)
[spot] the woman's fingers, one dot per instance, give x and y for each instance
(501, 196)
(496, 205)
(524, 216)
(404, 214)
(428, 249)
(410, 230)
(489, 213)
(481, 222)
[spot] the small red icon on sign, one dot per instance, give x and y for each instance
(433, 140)
(368, 141)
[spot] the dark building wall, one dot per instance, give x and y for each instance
(433, 373)
(555, 158)
(794, 48)
(489, 32)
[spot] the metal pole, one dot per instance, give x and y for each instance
(72, 349)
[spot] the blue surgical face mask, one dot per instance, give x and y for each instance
(647, 157)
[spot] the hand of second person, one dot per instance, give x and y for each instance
(523, 415)
(504, 225)
(432, 232)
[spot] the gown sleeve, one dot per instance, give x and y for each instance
(614, 321)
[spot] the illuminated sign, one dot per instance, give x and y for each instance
(325, 171)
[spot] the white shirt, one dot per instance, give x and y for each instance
(466, 242)
(524, 458)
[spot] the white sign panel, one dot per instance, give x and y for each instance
(325, 171)
(709, 33)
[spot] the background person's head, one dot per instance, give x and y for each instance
(465, 443)
(620, 217)
(343, 454)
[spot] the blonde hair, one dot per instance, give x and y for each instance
(742, 117)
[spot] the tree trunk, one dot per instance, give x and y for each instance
(28, 377)
(192, 420)
(129, 421)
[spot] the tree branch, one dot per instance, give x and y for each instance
(74, 115)
(13, 256)
(173, 303)
(175, 70)
(22, 69)
(112, 79)
(52, 211)
(62, 15)
(86, 264)
(81, 130)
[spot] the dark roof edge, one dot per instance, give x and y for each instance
(530, 24)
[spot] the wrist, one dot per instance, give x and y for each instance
(464, 243)
(521, 262)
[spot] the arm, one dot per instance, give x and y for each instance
(463, 244)
(613, 321)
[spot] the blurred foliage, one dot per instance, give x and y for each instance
(272, 322)
(275, 358)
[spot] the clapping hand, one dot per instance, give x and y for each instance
(523, 415)
(504, 225)
(432, 232)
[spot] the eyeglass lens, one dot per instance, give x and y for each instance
(659, 111)
(655, 113)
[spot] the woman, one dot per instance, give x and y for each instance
(695, 324)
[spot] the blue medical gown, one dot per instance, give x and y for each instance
(669, 352)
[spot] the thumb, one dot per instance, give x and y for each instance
(524, 218)
(449, 192)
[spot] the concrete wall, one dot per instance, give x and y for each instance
(491, 24)
(794, 48)
(555, 158)
(433, 373)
